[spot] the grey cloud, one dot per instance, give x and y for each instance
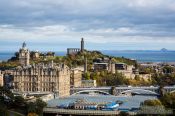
(145, 18)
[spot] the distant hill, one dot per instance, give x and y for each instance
(164, 50)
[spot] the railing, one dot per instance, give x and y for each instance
(150, 88)
(79, 112)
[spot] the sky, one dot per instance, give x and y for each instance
(55, 25)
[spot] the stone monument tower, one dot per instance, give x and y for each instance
(24, 55)
(82, 45)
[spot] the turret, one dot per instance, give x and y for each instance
(24, 55)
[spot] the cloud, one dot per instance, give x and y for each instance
(98, 21)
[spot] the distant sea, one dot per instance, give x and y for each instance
(141, 56)
(144, 56)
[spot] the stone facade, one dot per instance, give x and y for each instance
(73, 50)
(1, 79)
(126, 70)
(100, 66)
(111, 67)
(35, 55)
(120, 66)
(104, 64)
(24, 55)
(88, 83)
(43, 78)
(76, 77)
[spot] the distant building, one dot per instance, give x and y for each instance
(145, 77)
(121, 66)
(100, 66)
(1, 79)
(102, 60)
(73, 50)
(111, 66)
(126, 70)
(76, 50)
(76, 77)
(104, 63)
(50, 54)
(34, 55)
(88, 83)
(24, 55)
(108, 66)
(43, 78)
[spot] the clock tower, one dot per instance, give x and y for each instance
(24, 55)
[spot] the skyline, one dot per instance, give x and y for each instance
(105, 25)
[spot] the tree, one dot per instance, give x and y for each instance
(87, 76)
(39, 106)
(137, 78)
(31, 107)
(110, 79)
(168, 100)
(19, 101)
(36, 107)
(155, 102)
(6, 92)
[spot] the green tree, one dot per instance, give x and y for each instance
(115, 79)
(137, 78)
(31, 107)
(39, 106)
(155, 102)
(168, 100)
(19, 101)
(36, 107)
(87, 76)
(94, 75)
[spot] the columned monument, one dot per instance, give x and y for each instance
(76, 50)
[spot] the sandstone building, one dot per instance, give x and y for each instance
(50, 77)
(43, 78)
(76, 77)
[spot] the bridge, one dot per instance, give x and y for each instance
(150, 90)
